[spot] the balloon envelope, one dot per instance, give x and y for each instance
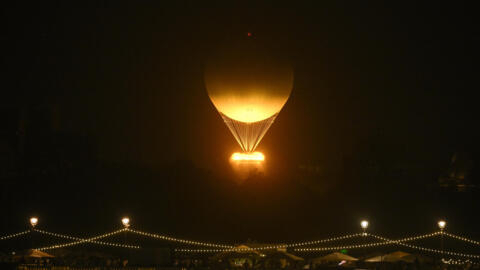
(248, 86)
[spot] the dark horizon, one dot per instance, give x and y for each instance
(105, 113)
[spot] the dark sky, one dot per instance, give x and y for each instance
(104, 113)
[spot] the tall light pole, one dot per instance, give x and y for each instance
(441, 225)
(364, 225)
(33, 223)
(126, 225)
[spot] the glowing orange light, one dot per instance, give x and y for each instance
(126, 222)
(248, 85)
(249, 34)
(442, 224)
(255, 156)
(33, 221)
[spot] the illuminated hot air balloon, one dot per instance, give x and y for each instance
(249, 85)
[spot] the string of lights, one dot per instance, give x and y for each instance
(222, 247)
(315, 248)
(367, 245)
(462, 238)
(58, 235)
(13, 235)
(236, 249)
(87, 240)
(185, 250)
(389, 242)
(407, 239)
(81, 239)
(228, 247)
(314, 242)
(451, 253)
(306, 243)
(331, 248)
(183, 241)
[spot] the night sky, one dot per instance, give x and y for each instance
(104, 113)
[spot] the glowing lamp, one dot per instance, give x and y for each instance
(247, 164)
(364, 224)
(254, 157)
(33, 221)
(126, 222)
(442, 224)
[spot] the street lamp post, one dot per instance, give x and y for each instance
(126, 225)
(441, 225)
(33, 223)
(364, 225)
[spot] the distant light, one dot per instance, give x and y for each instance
(126, 222)
(255, 156)
(33, 221)
(364, 224)
(249, 34)
(442, 224)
